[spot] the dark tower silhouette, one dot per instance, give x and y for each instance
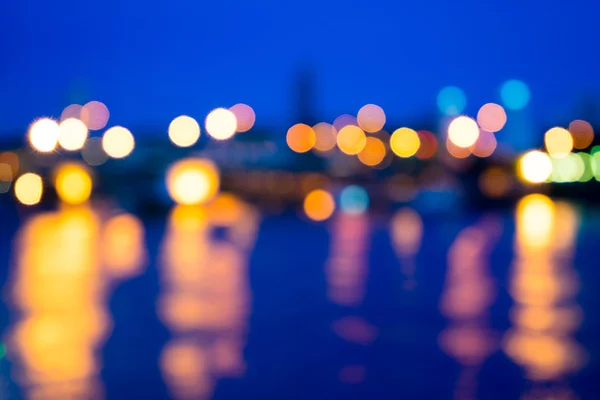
(304, 102)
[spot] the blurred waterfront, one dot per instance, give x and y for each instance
(227, 301)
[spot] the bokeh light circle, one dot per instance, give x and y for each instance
(451, 100)
(373, 152)
(351, 140)
(559, 142)
(535, 167)
(325, 136)
(73, 134)
(491, 117)
(354, 200)
(71, 111)
(582, 132)
(405, 142)
(463, 131)
(184, 131)
(118, 142)
(515, 94)
(29, 189)
(43, 135)
(73, 183)
(428, 145)
(457, 152)
(93, 153)
(319, 205)
(192, 181)
(300, 138)
(221, 124)
(343, 121)
(245, 117)
(95, 115)
(371, 118)
(485, 145)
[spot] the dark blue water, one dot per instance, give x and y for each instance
(258, 306)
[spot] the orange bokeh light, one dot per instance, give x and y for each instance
(428, 146)
(373, 152)
(301, 138)
(319, 205)
(351, 140)
(326, 135)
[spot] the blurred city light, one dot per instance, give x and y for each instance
(515, 94)
(354, 200)
(535, 167)
(463, 131)
(456, 151)
(12, 160)
(485, 144)
(351, 140)
(29, 189)
(94, 115)
(451, 101)
(371, 118)
(244, 115)
(495, 182)
(118, 142)
(93, 153)
(588, 172)
(73, 134)
(221, 124)
(124, 249)
(43, 135)
(373, 152)
(325, 136)
(6, 177)
(192, 181)
(184, 131)
(567, 169)
(596, 165)
(301, 138)
(319, 205)
(559, 142)
(428, 145)
(491, 117)
(71, 111)
(73, 183)
(343, 121)
(582, 132)
(405, 142)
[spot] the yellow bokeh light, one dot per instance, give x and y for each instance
(192, 181)
(535, 167)
(491, 117)
(373, 153)
(43, 134)
(95, 115)
(536, 217)
(319, 205)
(73, 134)
(559, 142)
(301, 138)
(29, 189)
(124, 250)
(184, 131)
(325, 136)
(463, 131)
(221, 124)
(582, 132)
(73, 184)
(405, 142)
(371, 118)
(245, 117)
(351, 140)
(118, 142)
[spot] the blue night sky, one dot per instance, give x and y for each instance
(151, 61)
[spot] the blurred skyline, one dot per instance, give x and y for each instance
(150, 62)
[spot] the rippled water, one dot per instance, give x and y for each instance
(227, 303)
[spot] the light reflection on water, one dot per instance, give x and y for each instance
(205, 298)
(60, 288)
(66, 263)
